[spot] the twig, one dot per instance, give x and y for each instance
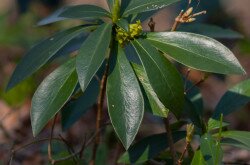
(82, 148)
(70, 149)
(14, 151)
(52, 161)
(170, 140)
(196, 84)
(183, 153)
(151, 25)
(177, 21)
(186, 78)
(100, 102)
(189, 137)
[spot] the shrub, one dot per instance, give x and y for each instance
(132, 68)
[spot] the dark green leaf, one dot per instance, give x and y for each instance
(211, 31)
(131, 54)
(194, 95)
(101, 154)
(124, 5)
(197, 51)
(242, 137)
(52, 94)
(77, 108)
(54, 17)
(157, 107)
(125, 101)
(198, 158)
(144, 16)
(211, 150)
(193, 114)
(92, 54)
(215, 124)
(122, 23)
(111, 4)
(139, 6)
(43, 52)
(233, 99)
(71, 46)
(148, 148)
(84, 12)
(163, 76)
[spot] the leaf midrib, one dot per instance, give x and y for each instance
(173, 93)
(66, 39)
(58, 93)
(95, 50)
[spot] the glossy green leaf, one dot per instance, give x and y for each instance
(148, 148)
(242, 139)
(122, 23)
(92, 54)
(235, 98)
(77, 108)
(198, 158)
(215, 124)
(197, 51)
(156, 105)
(163, 76)
(139, 6)
(84, 12)
(52, 94)
(210, 31)
(211, 150)
(125, 101)
(43, 52)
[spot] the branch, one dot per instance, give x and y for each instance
(52, 161)
(170, 140)
(100, 102)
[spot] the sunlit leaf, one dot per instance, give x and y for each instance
(125, 101)
(197, 51)
(139, 6)
(163, 76)
(211, 150)
(92, 54)
(52, 94)
(235, 98)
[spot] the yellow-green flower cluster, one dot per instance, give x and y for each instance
(124, 37)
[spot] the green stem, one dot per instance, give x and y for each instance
(116, 11)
